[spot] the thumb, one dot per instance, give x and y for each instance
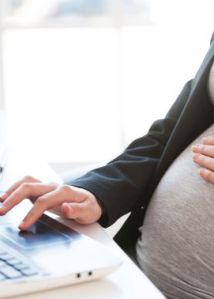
(83, 212)
(76, 211)
(67, 210)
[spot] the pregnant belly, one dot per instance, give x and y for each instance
(176, 249)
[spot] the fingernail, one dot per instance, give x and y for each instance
(202, 171)
(205, 139)
(2, 207)
(197, 146)
(3, 195)
(22, 225)
(194, 157)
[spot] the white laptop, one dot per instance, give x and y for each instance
(48, 255)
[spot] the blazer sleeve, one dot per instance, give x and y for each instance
(119, 185)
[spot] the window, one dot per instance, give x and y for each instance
(83, 78)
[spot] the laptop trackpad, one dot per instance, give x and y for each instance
(38, 235)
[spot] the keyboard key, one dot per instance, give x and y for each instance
(12, 267)
(2, 263)
(21, 266)
(2, 277)
(10, 272)
(5, 257)
(29, 271)
(13, 262)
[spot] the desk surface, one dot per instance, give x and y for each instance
(126, 282)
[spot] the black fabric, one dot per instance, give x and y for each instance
(126, 183)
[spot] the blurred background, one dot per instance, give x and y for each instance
(80, 79)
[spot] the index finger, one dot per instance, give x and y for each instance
(50, 200)
(47, 201)
(207, 150)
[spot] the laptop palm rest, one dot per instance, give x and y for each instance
(54, 251)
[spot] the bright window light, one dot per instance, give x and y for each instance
(82, 79)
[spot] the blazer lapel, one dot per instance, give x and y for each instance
(196, 117)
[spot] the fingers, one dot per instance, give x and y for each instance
(204, 161)
(43, 203)
(33, 215)
(49, 199)
(25, 190)
(207, 150)
(76, 203)
(26, 179)
(208, 140)
(76, 211)
(203, 155)
(207, 175)
(85, 212)
(3, 195)
(72, 202)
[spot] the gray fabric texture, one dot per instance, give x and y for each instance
(176, 247)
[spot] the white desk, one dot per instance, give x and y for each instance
(128, 282)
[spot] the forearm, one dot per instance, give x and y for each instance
(120, 184)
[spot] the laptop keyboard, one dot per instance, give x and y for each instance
(14, 268)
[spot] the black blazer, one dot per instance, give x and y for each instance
(127, 183)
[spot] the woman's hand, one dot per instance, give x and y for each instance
(203, 155)
(70, 202)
